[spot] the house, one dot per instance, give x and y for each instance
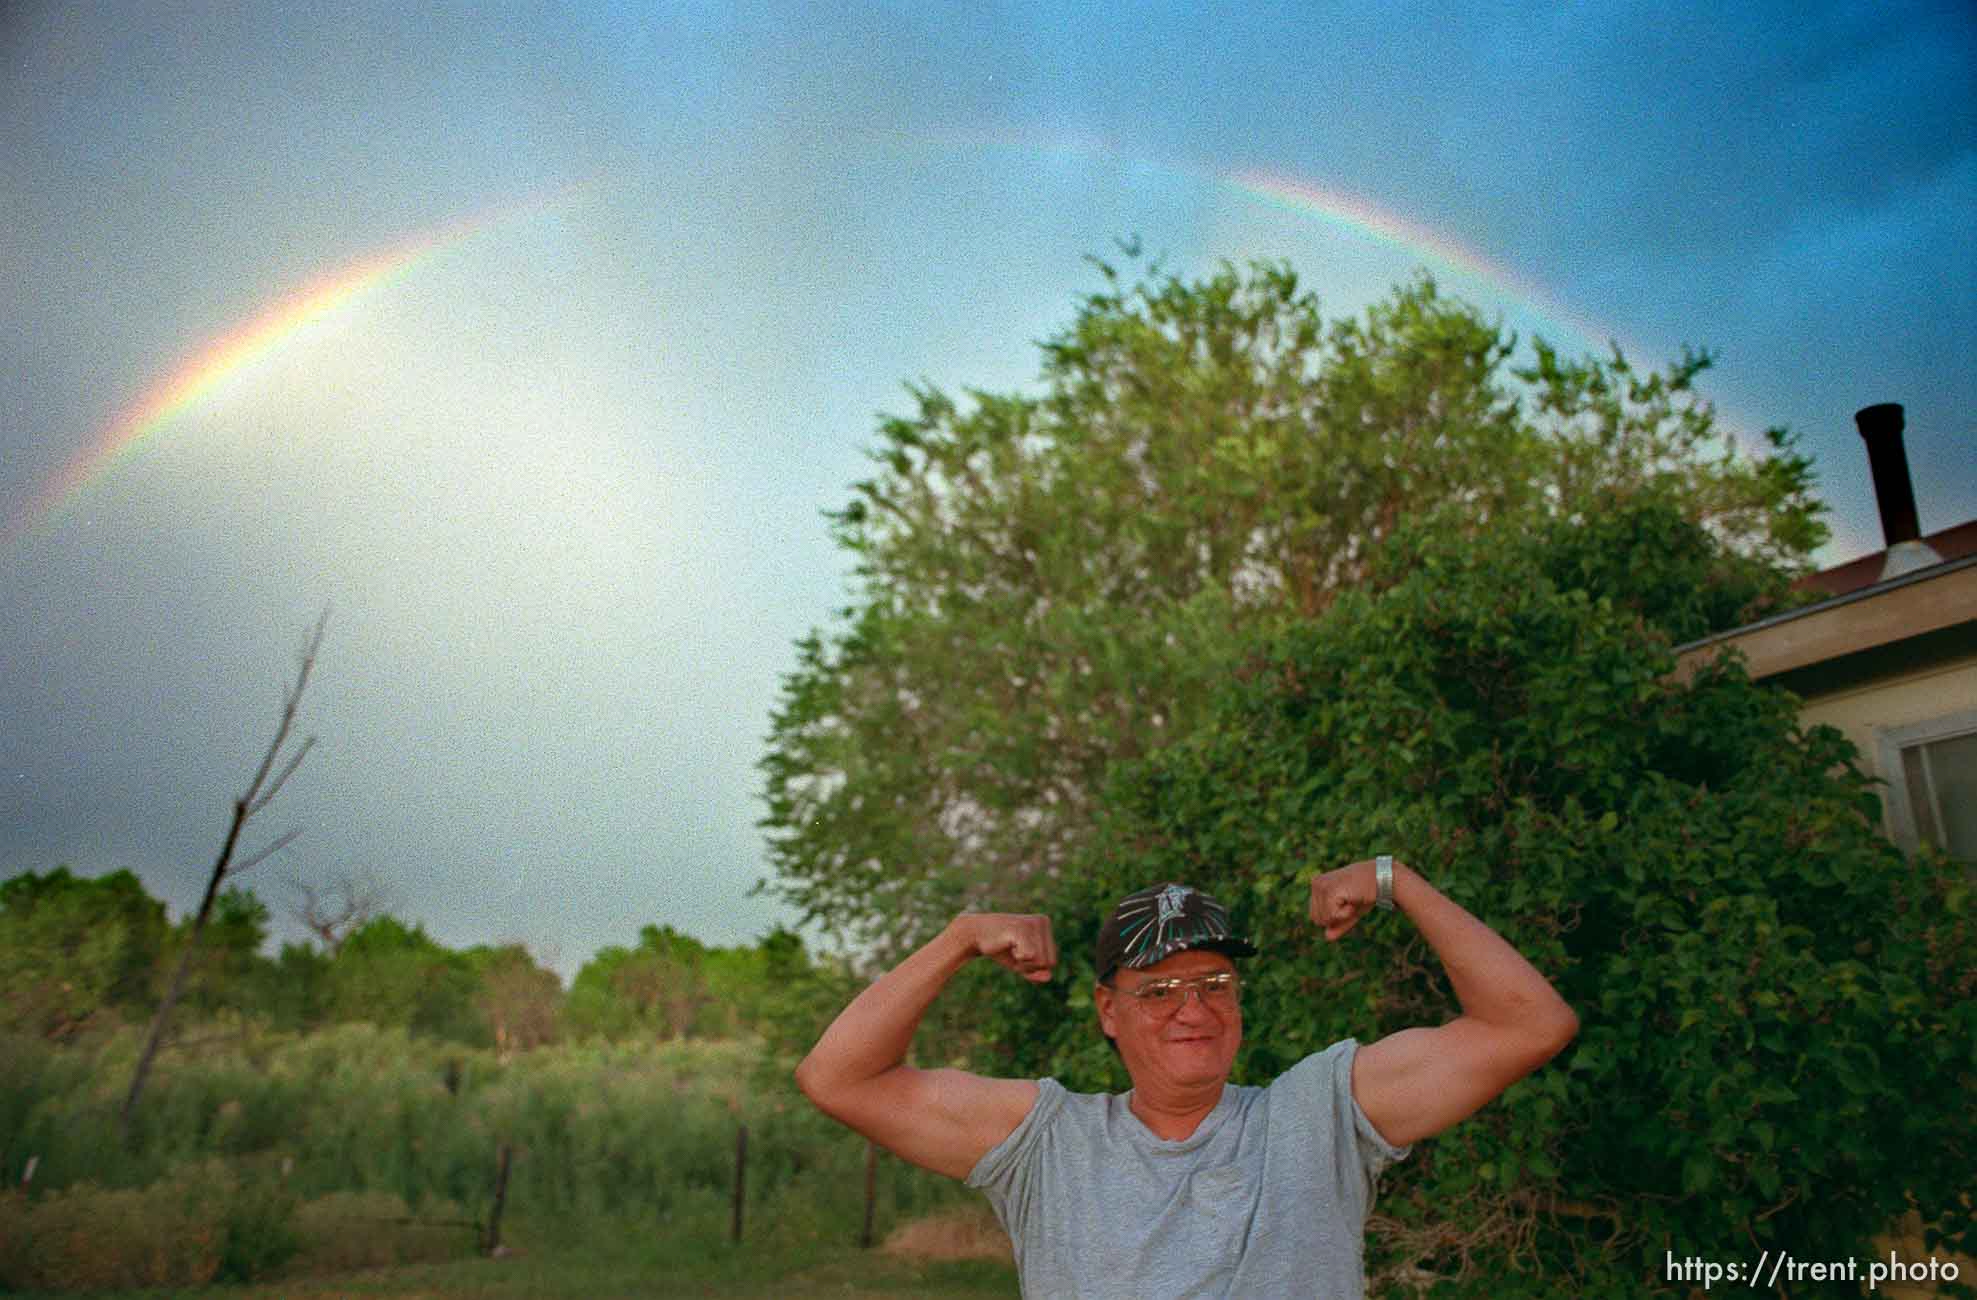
(1888, 656)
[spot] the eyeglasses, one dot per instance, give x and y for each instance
(1163, 999)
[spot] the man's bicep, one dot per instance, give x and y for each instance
(943, 1120)
(1416, 1083)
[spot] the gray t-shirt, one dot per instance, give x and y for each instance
(1267, 1198)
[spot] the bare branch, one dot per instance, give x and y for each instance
(274, 787)
(252, 801)
(345, 907)
(290, 704)
(280, 843)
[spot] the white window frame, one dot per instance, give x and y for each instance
(1891, 741)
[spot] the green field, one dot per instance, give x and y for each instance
(357, 1161)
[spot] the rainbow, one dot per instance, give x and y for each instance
(1355, 215)
(1364, 218)
(220, 357)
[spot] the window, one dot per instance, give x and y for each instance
(1932, 783)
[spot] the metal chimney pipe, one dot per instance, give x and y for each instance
(1881, 426)
(1894, 492)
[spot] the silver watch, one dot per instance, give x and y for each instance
(1383, 875)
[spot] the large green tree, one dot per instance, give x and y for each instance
(1052, 582)
(672, 986)
(75, 950)
(521, 1001)
(394, 975)
(1777, 1008)
(657, 989)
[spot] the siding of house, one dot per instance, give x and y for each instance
(1868, 712)
(1881, 659)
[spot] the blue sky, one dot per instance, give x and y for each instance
(561, 480)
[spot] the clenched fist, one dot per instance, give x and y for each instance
(1339, 898)
(1020, 942)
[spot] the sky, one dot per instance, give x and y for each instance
(533, 341)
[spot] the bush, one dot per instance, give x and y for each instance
(200, 1225)
(206, 1224)
(1776, 1005)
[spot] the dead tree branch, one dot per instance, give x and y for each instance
(345, 907)
(259, 792)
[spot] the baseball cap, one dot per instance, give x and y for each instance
(1154, 923)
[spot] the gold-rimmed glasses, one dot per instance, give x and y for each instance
(1163, 999)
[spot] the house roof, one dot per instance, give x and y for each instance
(1951, 544)
(1870, 631)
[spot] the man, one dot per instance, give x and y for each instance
(1186, 1185)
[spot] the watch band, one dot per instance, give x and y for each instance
(1383, 876)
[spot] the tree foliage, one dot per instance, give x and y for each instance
(521, 1002)
(78, 954)
(658, 988)
(1052, 583)
(227, 972)
(394, 975)
(74, 950)
(1776, 1050)
(672, 986)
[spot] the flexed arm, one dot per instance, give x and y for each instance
(944, 1120)
(1417, 1082)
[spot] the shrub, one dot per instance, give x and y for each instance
(1776, 1005)
(259, 1232)
(88, 1238)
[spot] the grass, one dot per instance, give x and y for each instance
(324, 1165)
(600, 1261)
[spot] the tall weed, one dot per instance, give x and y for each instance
(644, 1132)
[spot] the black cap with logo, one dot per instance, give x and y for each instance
(1155, 923)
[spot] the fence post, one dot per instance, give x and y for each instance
(493, 1241)
(741, 1176)
(871, 1190)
